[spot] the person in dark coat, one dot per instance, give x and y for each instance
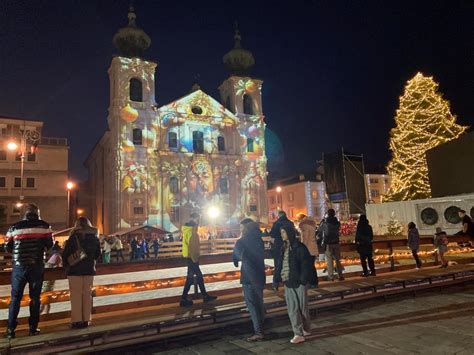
(414, 242)
(277, 242)
(156, 247)
(363, 240)
(81, 274)
(249, 250)
(27, 241)
(133, 249)
(297, 272)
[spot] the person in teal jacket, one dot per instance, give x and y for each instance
(191, 251)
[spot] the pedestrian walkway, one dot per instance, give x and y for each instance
(167, 321)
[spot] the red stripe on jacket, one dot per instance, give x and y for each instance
(32, 236)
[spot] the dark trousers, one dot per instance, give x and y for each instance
(120, 255)
(22, 275)
(417, 259)
(253, 295)
(156, 253)
(193, 271)
(364, 257)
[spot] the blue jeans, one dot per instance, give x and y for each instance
(21, 275)
(253, 296)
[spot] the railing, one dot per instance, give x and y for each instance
(51, 297)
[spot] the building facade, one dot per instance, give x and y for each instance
(45, 173)
(156, 165)
(301, 194)
(377, 186)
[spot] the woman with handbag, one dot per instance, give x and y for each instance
(80, 255)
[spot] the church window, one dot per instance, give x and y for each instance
(250, 145)
(221, 144)
(136, 90)
(248, 104)
(137, 136)
(223, 185)
(197, 110)
(172, 140)
(3, 155)
(174, 185)
(198, 142)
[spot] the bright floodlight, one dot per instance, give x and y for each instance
(80, 211)
(70, 185)
(12, 146)
(19, 204)
(278, 189)
(213, 212)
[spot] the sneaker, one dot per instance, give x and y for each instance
(297, 339)
(34, 331)
(185, 303)
(372, 273)
(365, 274)
(208, 298)
(341, 278)
(255, 337)
(305, 333)
(10, 334)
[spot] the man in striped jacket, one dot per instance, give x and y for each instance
(27, 241)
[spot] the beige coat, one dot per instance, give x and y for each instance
(307, 229)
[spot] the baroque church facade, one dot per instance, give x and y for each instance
(156, 165)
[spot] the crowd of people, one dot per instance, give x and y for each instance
(294, 250)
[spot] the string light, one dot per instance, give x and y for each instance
(423, 121)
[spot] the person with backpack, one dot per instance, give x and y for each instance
(80, 257)
(330, 232)
(249, 250)
(414, 243)
(297, 272)
(440, 242)
(363, 240)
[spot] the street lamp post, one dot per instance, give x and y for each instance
(22, 150)
(69, 186)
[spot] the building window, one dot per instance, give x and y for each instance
(292, 212)
(223, 185)
(31, 156)
(15, 210)
(30, 182)
(18, 156)
(3, 155)
(137, 136)
(272, 200)
(374, 193)
(136, 90)
(198, 142)
(3, 181)
(248, 104)
(17, 182)
(3, 131)
(374, 181)
(138, 210)
(250, 145)
(172, 140)
(174, 214)
(197, 110)
(221, 144)
(253, 208)
(314, 194)
(174, 185)
(279, 198)
(3, 213)
(291, 196)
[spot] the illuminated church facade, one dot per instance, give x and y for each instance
(156, 165)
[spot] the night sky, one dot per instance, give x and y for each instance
(332, 70)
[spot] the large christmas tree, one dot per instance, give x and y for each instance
(423, 121)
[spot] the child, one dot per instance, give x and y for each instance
(440, 242)
(54, 261)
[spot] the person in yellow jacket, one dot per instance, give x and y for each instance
(191, 251)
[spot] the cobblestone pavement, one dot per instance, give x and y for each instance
(431, 323)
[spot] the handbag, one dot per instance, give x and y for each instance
(78, 255)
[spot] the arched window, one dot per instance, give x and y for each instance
(172, 140)
(228, 105)
(250, 145)
(174, 185)
(248, 105)
(221, 144)
(223, 185)
(136, 90)
(137, 136)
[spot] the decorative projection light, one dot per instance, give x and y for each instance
(12, 146)
(213, 212)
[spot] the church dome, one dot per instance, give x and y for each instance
(131, 41)
(238, 60)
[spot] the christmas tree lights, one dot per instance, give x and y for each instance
(423, 121)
